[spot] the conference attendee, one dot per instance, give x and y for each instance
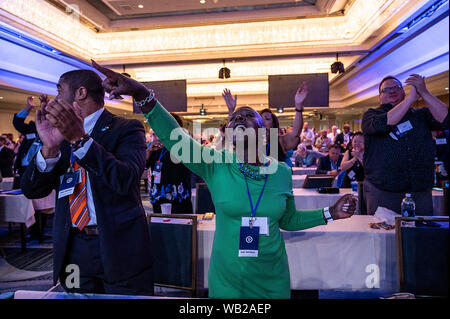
(31, 143)
(257, 266)
(288, 141)
(170, 182)
(352, 161)
(305, 157)
(94, 160)
(323, 142)
(344, 138)
(333, 134)
(307, 137)
(331, 163)
(441, 139)
(6, 158)
(399, 148)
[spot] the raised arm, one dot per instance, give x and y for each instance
(229, 101)
(438, 109)
(291, 140)
(182, 147)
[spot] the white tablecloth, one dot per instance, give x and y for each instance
(7, 183)
(16, 209)
(340, 255)
(310, 199)
(303, 170)
(298, 180)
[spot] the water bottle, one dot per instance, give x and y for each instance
(408, 206)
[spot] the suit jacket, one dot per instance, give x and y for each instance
(115, 163)
(340, 140)
(24, 129)
(325, 164)
(6, 161)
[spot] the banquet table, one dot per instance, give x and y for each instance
(342, 255)
(306, 198)
(298, 180)
(7, 183)
(310, 199)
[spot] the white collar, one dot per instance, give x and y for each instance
(91, 119)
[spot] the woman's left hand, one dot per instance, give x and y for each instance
(345, 207)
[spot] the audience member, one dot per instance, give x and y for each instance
(305, 157)
(288, 141)
(170, 182)
(333, 134)
(344, 138)
(6, 158)
(233, 184)
(100, 224)
(323, 142)
(331, 163)
(352, 162)
(307, 137)
(399, 148)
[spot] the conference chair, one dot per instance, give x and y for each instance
(175, 251)
(422, 253)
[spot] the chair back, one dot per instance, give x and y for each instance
(422, 253)
(174, 242)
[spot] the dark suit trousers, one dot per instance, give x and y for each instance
(85, 252)
(375, 197)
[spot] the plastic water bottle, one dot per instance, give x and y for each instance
(408, 206)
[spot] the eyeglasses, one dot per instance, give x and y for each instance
(392, 89)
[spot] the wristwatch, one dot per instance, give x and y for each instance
(327, 215)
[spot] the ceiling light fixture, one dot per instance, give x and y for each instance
(202, 111)
(202, 1)
(140, 6)
(224, 73)
(337, 67)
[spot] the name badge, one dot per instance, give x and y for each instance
(441, 141)
(30, 136)
(261, 222)
(351, 174)
(157, 173)
(404, 127)
(248, 241)
(68, 182)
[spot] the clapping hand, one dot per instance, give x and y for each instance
(66, 118)
(230, 102)
(345, 207)
(418, 82)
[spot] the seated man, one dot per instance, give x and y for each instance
(305, 157)
(323, 142)
(331, 163)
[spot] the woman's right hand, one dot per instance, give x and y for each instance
(116, 84)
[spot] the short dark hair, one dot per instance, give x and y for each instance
(358, 133)
(275, 122)
(2, 139)
(334, 146)
(87, 79)
(389, 77)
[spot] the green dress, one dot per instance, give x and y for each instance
(230, 276)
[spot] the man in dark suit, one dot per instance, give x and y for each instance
(6, 159)
(100, 226)
(344, 138)
(330, 164)
(28, 130)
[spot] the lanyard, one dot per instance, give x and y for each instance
(164, 151)
(72, 160)
(250, 197)
(333, 167)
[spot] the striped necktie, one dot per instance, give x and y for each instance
(79, 213)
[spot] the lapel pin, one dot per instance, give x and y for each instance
(105, 128)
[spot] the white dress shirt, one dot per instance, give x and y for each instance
(47, 165)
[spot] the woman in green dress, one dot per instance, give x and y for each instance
(243, 265)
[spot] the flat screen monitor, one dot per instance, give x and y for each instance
(282, 89)
(171, 94)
